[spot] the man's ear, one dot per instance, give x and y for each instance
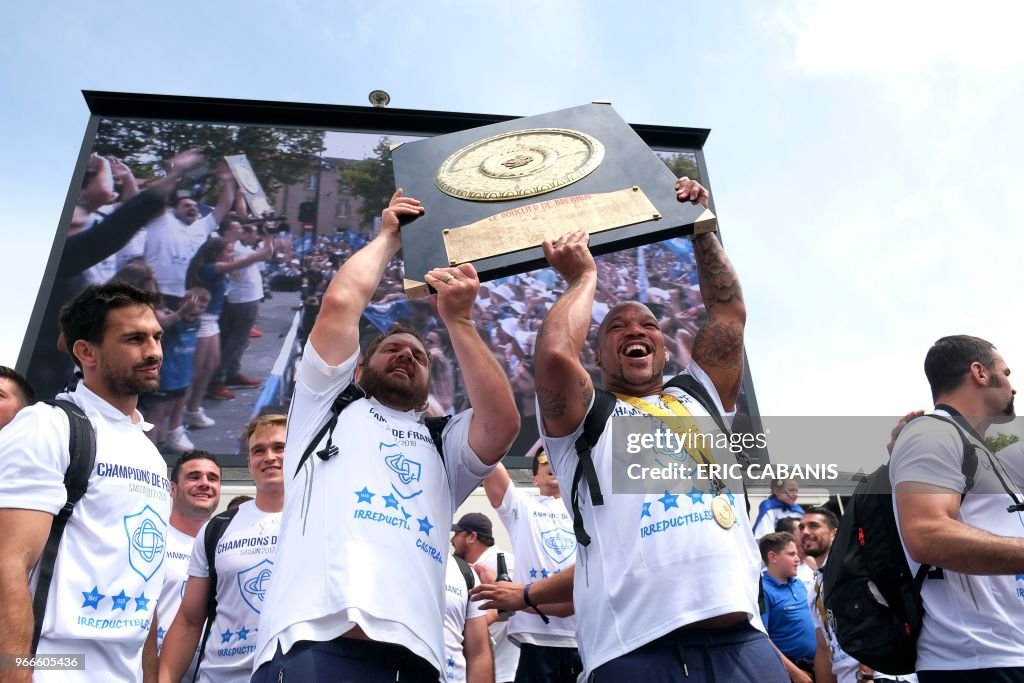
(979, 373)
(85, 352)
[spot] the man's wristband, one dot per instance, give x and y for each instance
(864, 676)
(526, 599)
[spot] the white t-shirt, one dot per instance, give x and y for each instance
(244, 284)
(541, 532)
(843, 665)
(109, 569)
(364, 536)
(506, 653)
(970, 622)
(655, 562)
(458, 609)
(245, 567)
(170, 245)
(176, 559)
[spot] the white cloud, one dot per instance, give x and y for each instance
(892, 36)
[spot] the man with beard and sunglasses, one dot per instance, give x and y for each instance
(358, 588)
(109, 568)
(973, 603)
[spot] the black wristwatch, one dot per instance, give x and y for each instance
(861, 676)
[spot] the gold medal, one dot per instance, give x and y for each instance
(724, 515)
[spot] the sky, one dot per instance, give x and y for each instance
(865, 158)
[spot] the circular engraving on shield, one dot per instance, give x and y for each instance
(519, 164)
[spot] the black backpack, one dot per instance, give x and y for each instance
(593, 427)
(215, 529)
(870, 594)
(82, 452)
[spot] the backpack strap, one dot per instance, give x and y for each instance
(969, 466)
(467, 572)
(351, 393)
(214, 532)
(436, 425)
(593, 427)
(692, 386)
(82, 452)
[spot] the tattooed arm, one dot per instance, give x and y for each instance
(564, 388)
(718, 347)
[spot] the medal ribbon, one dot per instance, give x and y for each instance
(687, 428)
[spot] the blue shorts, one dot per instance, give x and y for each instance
(739, 654)
(346, 660)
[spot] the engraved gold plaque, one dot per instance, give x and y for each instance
(528, 226)
(519, 164)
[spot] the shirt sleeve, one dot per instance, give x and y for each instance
(198, 565)
(34, 455)
(473, 610)
(463, 466)
(929, 452)
(510, 509)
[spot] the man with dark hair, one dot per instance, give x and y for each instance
(949, 360)
(109, 569)
(243, 563)
(637, 614)
(15, 393)
(544, 544)
(195, 495)
(972, 626)
(368, 507)
(786, 614)
(818, 529)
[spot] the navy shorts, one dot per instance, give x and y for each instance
(740, 654)
(346, 660)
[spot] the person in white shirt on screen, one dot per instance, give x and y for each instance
(358, 592)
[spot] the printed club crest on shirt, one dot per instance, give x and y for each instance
(146, 532)
(253, 583)
(406, 471)
(559, 544)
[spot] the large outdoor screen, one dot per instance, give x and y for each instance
(311, 183)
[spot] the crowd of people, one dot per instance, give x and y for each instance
(347, 566)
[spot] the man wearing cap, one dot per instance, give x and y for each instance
(544, 543)
(473, 541)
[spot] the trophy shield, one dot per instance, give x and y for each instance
(493, 194)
